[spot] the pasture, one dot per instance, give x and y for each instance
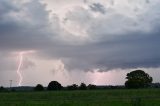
(117, 97)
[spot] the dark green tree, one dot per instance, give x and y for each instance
(72, 87)
(91, 86)
(2, 88)
(54, 85)
(138, 79)
(39, 87)
(83, 86)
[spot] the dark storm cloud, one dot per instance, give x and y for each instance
(5, 7)
(23, 27)
(26, 26)
(124, 52)
(97, 7)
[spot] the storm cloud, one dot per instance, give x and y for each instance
(98, 8)
(124, 35)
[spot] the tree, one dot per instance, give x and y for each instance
(2, 88)
(138, 79)
(83, 86)
(39, 87)
(91, 87)
(54, 85)
(72, 87)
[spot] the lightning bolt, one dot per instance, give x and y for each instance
(19, 67)
(20, 63)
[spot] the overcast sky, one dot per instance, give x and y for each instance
(74, 41)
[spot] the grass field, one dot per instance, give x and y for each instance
(139, 97)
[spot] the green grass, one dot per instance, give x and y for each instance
(139, 97)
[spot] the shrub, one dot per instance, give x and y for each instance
(39, 87)
(54, 85)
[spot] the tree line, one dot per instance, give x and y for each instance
(135, 79)
(55, 85)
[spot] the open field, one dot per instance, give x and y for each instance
(139, 97)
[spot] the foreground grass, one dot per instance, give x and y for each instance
(139, 97)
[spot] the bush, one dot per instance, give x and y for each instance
(54, 85)
(39, 87)
(91, 87)
(72, 87)
(83, 86)
(2, 89)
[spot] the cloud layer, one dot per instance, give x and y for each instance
(84, 35)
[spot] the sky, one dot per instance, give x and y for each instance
(74, 41)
